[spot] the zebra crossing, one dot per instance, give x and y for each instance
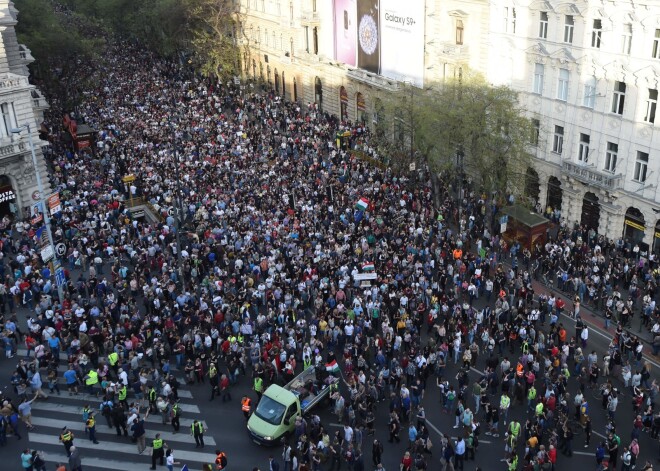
(113, 452)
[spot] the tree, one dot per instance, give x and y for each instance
(461, 117)
(216, 27)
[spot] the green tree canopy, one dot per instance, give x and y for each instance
(465, 116)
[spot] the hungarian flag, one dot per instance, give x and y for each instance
(332, 367)
(368, 266)
(362, 204)
(185, 467)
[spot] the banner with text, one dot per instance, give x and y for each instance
(385, 37)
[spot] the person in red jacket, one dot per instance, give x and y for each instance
(406, 462)
(224, 388)
(552, 456)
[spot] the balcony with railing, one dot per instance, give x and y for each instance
(372, 79)
(591, 176)
(452, 50)
(310, 18)
(38, 101)
(11, 148)
(25, 54)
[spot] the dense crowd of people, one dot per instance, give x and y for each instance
(274, 221)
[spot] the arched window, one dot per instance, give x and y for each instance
(283, 85)
(254, 69)
(270, 78)
(360, 107)
(318, 93)
(295, 89)
(277, 82)
(315, 34)
(343, 103)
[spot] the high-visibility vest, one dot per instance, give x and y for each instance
(258, 384)
(200, 428)
(93, 378)
(157, 443)
(539, 408)
(532, 393)
(514, 463)
(66, 437)
(519, 370)
(176, 410)
(505, 401)
(514, 428)
(113, 358)
(91, 422)
(122, 393)
(152, 394)
(245, 404)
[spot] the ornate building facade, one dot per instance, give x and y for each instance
(588, 73)
(20, 104)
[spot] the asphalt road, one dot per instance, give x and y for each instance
(226, 425)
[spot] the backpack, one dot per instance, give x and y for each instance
(451, 396)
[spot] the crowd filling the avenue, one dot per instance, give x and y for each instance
(276, 217)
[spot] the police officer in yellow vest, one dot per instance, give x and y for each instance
(91, 380)
(113, 360)
(152, 399)
(197, 431)
(157, 451)
(258, 386)
(121, 395)
(66, 437)
(91, 428)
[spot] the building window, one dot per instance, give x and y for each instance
(583, 148)
(8, 119)
(509, 20)
(538, 78)
(651, 105)
(306, 38)
(266, 38)
(536, 132)
(641, 166)
(562, 85)
(597, 34)
(656, 44)
(459, 32)
(291, 11)
(263, 6)
(626, 39)
(543, 25)
(589, 99)
(314, 6)
(315, 39)
(558, 141)
(569, 24)
(618, 97)
(611, 156)
(291, 46)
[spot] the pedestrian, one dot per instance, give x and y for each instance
(224, 388)
(377, 452)
(66, 438)
(274, 465)
(25, 410)
(38, 463)
(26, 459)
(246, 407)
(176, 417)
(587, 431)
(75, 463)
(459, 453)
(139, 434)
(220, 459)
(406, 462)
(197, 431)
(91, 428)
(169, 459)
(157, 451)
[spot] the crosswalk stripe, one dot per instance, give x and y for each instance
(77, 411)
(100, 463)
(181, 455)
(102, 430)
(95, 402)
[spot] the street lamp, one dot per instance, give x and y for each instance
(43, 204)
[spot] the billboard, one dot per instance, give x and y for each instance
(384, 37)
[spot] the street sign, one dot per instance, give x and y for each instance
(60, 250)
(47, 253)
(60, 278)
(54, 204)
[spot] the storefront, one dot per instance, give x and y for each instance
(8, 203)
(634, 226)
(343, 102)
(361, 107)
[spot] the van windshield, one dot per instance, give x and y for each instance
(270, 411)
